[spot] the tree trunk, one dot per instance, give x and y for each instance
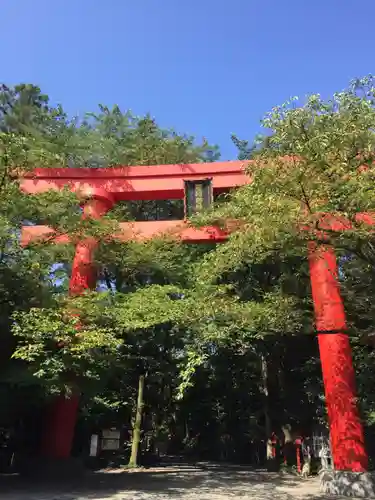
(267, 418)
(136, 437)
(187, 431)
(271, 459)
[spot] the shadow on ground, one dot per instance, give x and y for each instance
(203, 481)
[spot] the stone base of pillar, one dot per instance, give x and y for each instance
(345, 483)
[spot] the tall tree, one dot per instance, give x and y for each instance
(317, 157)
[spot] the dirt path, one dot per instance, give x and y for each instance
(202, 481)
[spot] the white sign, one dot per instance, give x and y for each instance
(94, 443)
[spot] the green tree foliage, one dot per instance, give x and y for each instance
(60, 349)
(245, 150)
(129, 140)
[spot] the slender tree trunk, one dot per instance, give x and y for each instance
(289, 452)
(267, 418)
(271, 460)
(136, 437)
(187, 431)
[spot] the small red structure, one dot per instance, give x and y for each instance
(102, 188)
(298, 445)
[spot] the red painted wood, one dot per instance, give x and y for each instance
(298, 444)
(137, 183)
(83, 273)
(149, 172)
(346, 430)
(137, 231)
(58, 435)
(274, 445)
(179, 229)
(58, 432)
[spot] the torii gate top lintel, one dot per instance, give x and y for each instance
(155, 182)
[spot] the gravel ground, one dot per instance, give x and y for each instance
(202, 481)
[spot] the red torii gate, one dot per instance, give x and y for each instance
(103, 187)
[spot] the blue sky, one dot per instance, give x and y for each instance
(205, 67)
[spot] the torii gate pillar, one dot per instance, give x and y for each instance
(58, 433)
(346, 431)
